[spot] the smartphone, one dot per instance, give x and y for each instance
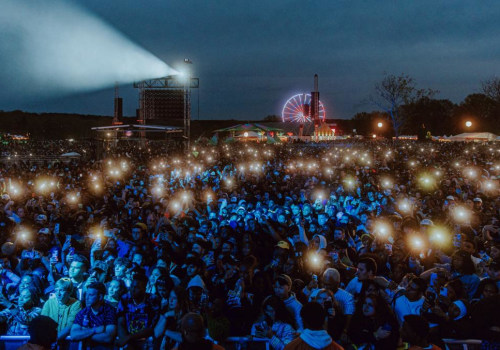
(55, 255)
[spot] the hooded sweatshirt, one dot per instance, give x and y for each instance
(313, 340)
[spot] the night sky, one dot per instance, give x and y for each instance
(251, 56)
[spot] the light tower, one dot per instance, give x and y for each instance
(118, 114)
(315, 106)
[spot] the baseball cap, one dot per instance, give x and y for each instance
(451, 198)
(44, 231)
(427, 222)
(477, 199)
(283, 245)
(41, 217)
(284, 279)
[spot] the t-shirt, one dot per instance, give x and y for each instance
(354, 286)
(139, 316)
(405, 307)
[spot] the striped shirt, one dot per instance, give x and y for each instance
(345, 301)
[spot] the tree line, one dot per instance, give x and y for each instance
(406, 109)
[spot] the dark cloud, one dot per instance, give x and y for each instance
(252, 55)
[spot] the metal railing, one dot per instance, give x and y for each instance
(12, 342)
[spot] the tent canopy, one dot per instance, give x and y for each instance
(484, 136)
(249, 127)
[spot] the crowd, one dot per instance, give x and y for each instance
(369, 244)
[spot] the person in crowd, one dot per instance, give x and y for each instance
(282, 289)
(114, 291)
(374, 324)
(275, 323)
(96, 323)
(193, 334)
(167, 330)
(43, 334)
(62, 307)
(137, 312)
(313, 337)
(17, 318)
(415, 332)
(234, 224)
(411, 302)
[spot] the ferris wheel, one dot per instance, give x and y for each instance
(298, 109)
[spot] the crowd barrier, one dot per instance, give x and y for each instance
(12, 342)
(467, 344)
(231, 343)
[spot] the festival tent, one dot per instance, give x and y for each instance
(474, 136)
(249, 127)
(71, 154)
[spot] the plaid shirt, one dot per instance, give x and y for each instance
(88, 319)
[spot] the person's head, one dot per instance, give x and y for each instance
(487, 288)
(155, 274)
(94, 296)
(42, 331)
(99, 271)
(192, 328)
(26, 299)
(136, 233)
(338, 234)
(375, 306)
(454, 290)
(121, 266)
(415, 330)
(313, 316)
(331, 279)
(138, 287)
(321, 296)
(178, 299)
(416, 288)
(467, 245)
(63, 290)
(116, 288)
(282, 286)
(138, 258)
(275, 310)
(462, 262)
(78, 268)
(367, 268)
(322, 219)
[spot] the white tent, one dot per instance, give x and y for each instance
(474, 136)
(71, 154)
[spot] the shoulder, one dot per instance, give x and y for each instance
(294, 344)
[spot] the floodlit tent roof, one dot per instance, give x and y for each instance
(248, 127)
(469, 136)
(71, 154)
(139, 127)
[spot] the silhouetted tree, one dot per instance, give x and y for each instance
(395, 91)
(491, 88)
(436, 115)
